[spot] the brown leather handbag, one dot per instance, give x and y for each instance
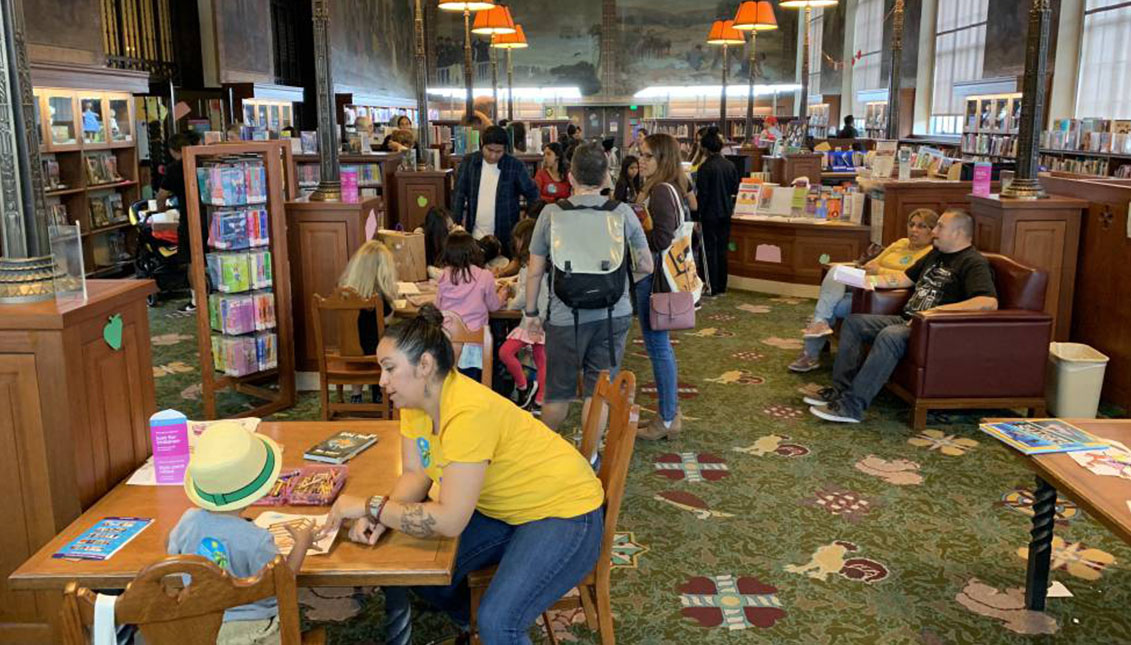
(672, 311)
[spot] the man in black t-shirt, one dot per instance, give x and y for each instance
(954, 276)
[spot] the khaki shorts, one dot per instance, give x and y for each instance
(250, 632)
(587, 350)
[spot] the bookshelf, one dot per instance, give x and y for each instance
(244, 327)
(876, 119)
(819, 121)
(90, 168)
(1090, 146)
(989, 130)
(375, 171)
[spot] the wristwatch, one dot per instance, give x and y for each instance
(375, 506)
(530, 314)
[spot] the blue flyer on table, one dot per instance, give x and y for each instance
(104, 539)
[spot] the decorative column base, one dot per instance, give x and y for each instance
(327, 191)
(27, 279)
(1024, 189)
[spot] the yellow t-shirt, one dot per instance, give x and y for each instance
(899, 256)
(532, 472)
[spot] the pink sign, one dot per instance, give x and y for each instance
(168, 434)
(349, 186)
(983, 171)
(371, 225)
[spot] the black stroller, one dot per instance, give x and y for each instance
(157, 255)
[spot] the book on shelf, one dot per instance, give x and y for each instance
(51, 175)
(340, 448)
(104, 539)
(99, 216)
(309, 142)
(1042, 436)
(57, 215)
(116, 209)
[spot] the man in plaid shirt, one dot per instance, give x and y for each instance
(487, 189)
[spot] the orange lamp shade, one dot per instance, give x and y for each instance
(724, 33)
(517, 40)
(496, 20)
(755, 15)
(465, 5)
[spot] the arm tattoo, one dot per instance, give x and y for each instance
(416, 522)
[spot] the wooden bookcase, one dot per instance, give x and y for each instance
(83, 133)
(382, 185)
(274, 387)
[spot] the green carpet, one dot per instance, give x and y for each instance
(762, 523)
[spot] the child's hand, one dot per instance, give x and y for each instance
(302, 534)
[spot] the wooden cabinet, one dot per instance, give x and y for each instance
(74, 422)
(894, 200)
(417, 192)
(783, 170)
(790, 251)
(321, 238)
(1042, 233)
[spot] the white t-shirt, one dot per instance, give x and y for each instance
(485, 209)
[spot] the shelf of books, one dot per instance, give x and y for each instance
(1088, 147)
(819, 121)
(368, 174)
(241, 273)
(990, 127)
(90, 171)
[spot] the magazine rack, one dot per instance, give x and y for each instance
(275, 387)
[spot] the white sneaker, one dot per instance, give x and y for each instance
(833, 412)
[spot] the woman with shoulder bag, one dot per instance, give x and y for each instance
(662, 195)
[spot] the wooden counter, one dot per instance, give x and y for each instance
(783, 170)
(321, 238)
(893, 200)
(417, 192)
(74, 422)
(790, 251)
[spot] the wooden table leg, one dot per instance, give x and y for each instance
(1040, 546)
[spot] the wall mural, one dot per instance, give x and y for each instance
(372, 45)
(658, 42)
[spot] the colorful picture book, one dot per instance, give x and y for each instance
(239, 228)
(247, 354)
(1042, 436)
(341, 447)
(104, 539)
(232, 183)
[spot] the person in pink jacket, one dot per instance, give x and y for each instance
(467, 290)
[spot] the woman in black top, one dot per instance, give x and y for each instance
(630, 181)
(716, 186)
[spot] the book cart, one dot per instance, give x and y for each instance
(241, 273)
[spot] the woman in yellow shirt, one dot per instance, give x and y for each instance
(834, 302)
(518, 495)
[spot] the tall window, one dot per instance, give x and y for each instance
(869, 41)
(816, 51)
(960, 48)
(1105, 66)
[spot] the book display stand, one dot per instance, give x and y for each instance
(241, 273)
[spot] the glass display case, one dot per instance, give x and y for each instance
(119, 119)
(62, 128)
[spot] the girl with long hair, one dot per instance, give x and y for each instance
(552, 179)
(630, 181)
(468, 290)
(663, 195)
(371, 271)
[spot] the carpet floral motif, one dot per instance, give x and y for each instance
(1021, 500)
(776, 444)
(690, 503)
(736, 603)
(692, 467)
(736, 377)
(626, 551)
(947, 444)
(833, 559)
(1076, 558)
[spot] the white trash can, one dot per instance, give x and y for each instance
(1075, 379)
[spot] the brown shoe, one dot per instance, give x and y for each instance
(656, 430)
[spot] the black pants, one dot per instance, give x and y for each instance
(716, 240)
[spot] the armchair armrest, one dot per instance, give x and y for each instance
(980, 353)
(881, 301)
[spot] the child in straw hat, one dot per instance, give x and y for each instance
(230, 469)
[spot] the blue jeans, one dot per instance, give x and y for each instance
(659, 346)
(859, 384)
(833, 303)
(538, 563)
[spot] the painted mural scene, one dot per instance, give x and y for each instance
(446, 322)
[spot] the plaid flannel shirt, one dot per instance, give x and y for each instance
(514, 180)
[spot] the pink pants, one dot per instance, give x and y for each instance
(508, 355)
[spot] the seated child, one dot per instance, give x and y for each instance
(468, 290)
(438, 224)
(370, 271)
(493, 258)
(230, 469)
(527, 395)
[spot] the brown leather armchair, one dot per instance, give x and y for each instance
(975, 359)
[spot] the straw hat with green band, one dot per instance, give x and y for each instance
(231, 468)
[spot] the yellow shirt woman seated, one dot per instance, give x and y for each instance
(834, 302)
(518, 495)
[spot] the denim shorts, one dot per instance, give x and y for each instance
(587, 350)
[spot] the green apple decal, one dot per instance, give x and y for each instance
(824, 259)
(112, 332)
(421, 201)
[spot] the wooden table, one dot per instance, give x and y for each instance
(1104, 498)
(398, 559)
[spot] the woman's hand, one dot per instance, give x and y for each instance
(348, 507)
(366, 531)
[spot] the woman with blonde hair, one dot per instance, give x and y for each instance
(662, 196)
(371, 271)
(834, 302)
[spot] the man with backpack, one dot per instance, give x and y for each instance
(593, 249)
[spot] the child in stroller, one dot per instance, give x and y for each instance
(157, 249)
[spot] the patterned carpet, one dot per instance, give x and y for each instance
(763, 523)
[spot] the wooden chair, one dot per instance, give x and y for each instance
(595, 596)
(460, 335)
(346, 363)
(169, 613)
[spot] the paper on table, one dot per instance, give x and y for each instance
(146, 474)
(407, 289)
(850, 276)
(1114, 461)
(275, 522)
